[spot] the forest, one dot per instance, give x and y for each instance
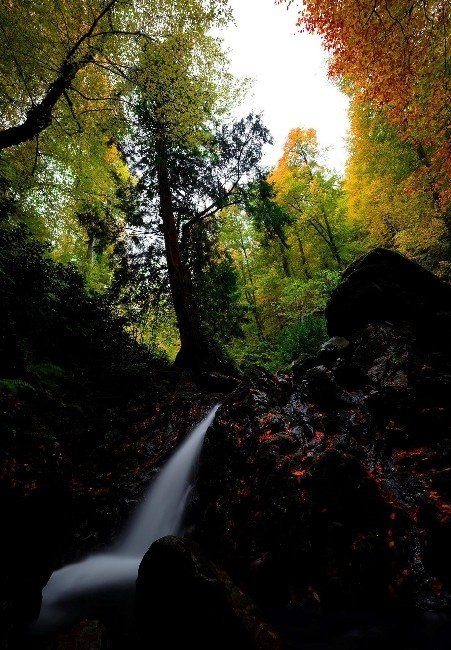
(152, 265)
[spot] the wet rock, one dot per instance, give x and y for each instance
(217, 382)
(184, 600)
(387, 356)
(334, 347)
(321, 384)
(261, 378)
(301, 365)
(385, 286)
(354, 505)
(86, 635)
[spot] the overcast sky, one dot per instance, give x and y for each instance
(289, 70)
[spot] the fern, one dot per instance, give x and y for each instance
(46, 375)
(15, 386)
(43, 370)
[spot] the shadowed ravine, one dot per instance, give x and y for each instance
(321, 516)
(80, 589)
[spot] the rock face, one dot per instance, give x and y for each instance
(385, 286)
(331, 488)
(183, 600)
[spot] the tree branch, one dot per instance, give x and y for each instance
(39, 116)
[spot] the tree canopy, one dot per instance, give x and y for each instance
(395, 56)
(124, 154)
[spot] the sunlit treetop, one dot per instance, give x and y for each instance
(63, 59)
(69, 70)
(184, 82)
(396, 54)
(298, 171)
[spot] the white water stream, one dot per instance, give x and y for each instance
(79, 589)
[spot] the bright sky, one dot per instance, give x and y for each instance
(289, 70)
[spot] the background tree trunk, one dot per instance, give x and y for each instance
(304, 262)
(284, 259)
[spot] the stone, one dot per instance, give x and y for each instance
(217, 382)
(385, 286)
(301, 365)
(321, 384)
(35, 529)
(334, 346)
(183, 600)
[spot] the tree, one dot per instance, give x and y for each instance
(190, 186)
(395, 56)
(237, 237)
(216, 284)
(61, 62)
(269, 218)
(306, 191)
(179, 97)
(188, 171)
(59, 58)
(384, 192)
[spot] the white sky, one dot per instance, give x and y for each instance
(289, 70)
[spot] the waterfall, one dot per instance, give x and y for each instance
(77, 590)
(162, 510)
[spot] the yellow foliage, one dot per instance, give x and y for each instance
(387, 189)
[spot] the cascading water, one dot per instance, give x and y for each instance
(77, 590)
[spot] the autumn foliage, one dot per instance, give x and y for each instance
(394, 54)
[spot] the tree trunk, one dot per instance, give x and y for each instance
(90, 249)
(326, 235)
(194, 351)
(250, 295)
(331, 240)
(284, 258)
(445, 215)
(304, 263)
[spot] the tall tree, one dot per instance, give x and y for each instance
(187, 170)
(190, 187)
(306, 191)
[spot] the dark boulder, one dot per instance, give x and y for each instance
(321, 384)
(385, 286)
(183, 600)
